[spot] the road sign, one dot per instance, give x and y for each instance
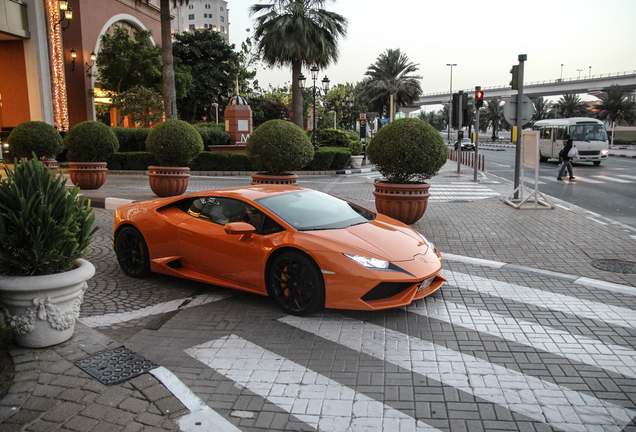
(510, 110)
(385, 120)
(363, 116)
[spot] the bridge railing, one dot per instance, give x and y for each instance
(553, 81)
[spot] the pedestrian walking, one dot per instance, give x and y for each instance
(567, 153)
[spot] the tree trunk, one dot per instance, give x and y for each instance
(297, 95)
(169, 92)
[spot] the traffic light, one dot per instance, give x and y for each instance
(514, 84)
(460, 102)
(479, 99)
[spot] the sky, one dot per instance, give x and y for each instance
(484, 39)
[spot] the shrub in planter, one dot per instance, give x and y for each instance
(88, 146)
(333, 138)
(174, 143)
(278, 147)
(355, 147)
(35, 137)
(341, 157)
(45, 230)
(407, 152)
(90, 141)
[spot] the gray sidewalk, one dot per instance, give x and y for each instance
(463, 219)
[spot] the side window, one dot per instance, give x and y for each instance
(222, 211)
(546, 133)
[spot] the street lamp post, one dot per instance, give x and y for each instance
(315, 90)
(216, 105)
(450, 102)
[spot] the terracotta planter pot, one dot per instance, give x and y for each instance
(88, 175)
(49, 164)
(168, 181)
(41, 310)
(404, 202)
(288, 179)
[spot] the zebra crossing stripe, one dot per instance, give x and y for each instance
(169, 306)
(612, 315)
(540, 400)
(593, 352)
(631, 177)
(311, 397)
(614, 179)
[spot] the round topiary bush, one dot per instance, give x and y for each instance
(174, 143)
(407, 151)
(90, 141)
(35, 137)
(278, 147)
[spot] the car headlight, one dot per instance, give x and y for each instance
(430, 244)
(370, 263)
(604, 152)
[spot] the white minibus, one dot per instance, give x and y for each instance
(588, 134)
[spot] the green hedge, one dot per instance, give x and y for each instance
(212, 134)
(131, 139)
(327, 158)
(332, 138)
(623, 141)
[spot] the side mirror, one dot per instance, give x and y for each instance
(240, 228)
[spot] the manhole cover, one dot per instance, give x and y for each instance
(116, 365)
(615, 266)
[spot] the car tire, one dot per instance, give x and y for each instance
(296, 284)
(542, 158)
(132, 252)
(596, 163)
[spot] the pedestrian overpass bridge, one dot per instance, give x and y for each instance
(593, 85)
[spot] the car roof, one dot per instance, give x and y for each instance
(252, 193)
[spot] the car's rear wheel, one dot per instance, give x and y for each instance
(132, 252)
(296, 284)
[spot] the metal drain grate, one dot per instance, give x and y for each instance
(615, 266)
(115, 365)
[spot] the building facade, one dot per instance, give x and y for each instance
(46, 71)
(202, 14)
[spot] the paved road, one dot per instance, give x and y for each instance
(608, 189)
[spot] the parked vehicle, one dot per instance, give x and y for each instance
(588, 134)
(306, 249)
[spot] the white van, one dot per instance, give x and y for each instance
(588, 134)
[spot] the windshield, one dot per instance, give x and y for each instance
(588, 132)
(313, 210)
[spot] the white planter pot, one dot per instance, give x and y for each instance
(356, 161)
(41, 310)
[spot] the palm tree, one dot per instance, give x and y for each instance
(492, 116)
(615, 107)
(570, 105)
(390, 75)
(297, 33)
(542, 109)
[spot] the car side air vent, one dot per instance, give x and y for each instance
(175, 264)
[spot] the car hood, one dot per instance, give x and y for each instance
(378, 239)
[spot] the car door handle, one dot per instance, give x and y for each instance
(188, 233)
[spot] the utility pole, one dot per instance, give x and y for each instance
(522, 59)
(460, 132)
(478, 101)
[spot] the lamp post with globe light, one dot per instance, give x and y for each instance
(315, 90)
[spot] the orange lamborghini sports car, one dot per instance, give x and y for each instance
(306, 249)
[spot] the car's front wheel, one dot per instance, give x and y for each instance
(132, 252)
(296, 284)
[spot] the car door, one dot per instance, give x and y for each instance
(205, 246)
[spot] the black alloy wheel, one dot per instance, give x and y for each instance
(296, 284)
(132, 252)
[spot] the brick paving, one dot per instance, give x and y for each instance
(50, 393)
